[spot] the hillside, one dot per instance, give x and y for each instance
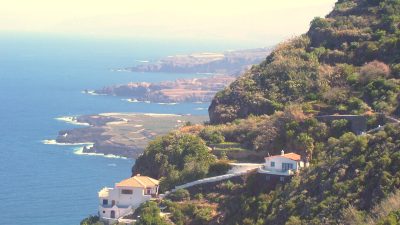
(346, 68)
(353, 176)
(346, 63)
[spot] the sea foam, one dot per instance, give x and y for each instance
(54, 142)
(79, 151)
(72, 120)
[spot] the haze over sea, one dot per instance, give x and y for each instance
(41, 78)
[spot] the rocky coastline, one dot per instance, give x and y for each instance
(230, 62)
(221, 69)
(122, 134)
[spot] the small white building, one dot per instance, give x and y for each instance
(284, 164)
(126, 196)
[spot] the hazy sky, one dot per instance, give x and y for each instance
(238, 20)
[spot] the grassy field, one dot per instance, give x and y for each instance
(228, 146)
(138, 129)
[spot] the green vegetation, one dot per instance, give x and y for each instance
(348, 62)
(91, 220)
(211, 136)
(150, 214)
(352, 171)
(190, 212)
(175, 158)
(179, 195)
(218, 168)
(392, 219)
(292, 130)
(228, 146)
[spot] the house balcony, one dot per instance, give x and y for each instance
(109, 206)
(152, 196)
(266, 170)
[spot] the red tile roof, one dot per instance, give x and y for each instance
(138, 181)
(291, 155)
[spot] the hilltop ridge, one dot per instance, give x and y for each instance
(347, 62)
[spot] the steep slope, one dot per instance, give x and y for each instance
(347, 62)
(355, 173)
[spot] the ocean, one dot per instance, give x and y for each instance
(41, 78)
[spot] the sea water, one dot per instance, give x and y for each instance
(41, 79)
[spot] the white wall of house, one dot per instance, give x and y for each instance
(106, 213)
(275, 163)
(119, 200)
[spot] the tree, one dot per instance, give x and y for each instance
(149, 213)
(175, 158)
(307, 143)
(91, 220)
(212, 136)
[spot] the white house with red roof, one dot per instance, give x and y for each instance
(284, 164)
(127, 195)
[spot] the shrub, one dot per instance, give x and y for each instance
(150, 214)
(319, 22)
(198, 196)
(203, 215)
(372, 71)
(396, 70)
(339, 127)
(179, 195)
(91, 220)
(211, 136)
(219, 168)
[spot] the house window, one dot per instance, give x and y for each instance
(148, 191)
(282, 179)
(105, 201)
(126, 192)
(268, 178)
(272, 164)
(287, 166)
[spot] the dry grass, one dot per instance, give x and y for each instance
(352, 216)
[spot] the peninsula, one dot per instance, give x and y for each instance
(182, 90)
(228, 62)
(122, 134)
(223, 68)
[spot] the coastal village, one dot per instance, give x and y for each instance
(118, 204)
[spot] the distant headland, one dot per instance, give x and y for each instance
(223, 69)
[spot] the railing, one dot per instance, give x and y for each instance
(275, 171)
(108, 206)
(210, 179)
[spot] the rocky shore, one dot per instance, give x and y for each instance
(122, 134)
(182, 90)
(229, 62)
(224, 67)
